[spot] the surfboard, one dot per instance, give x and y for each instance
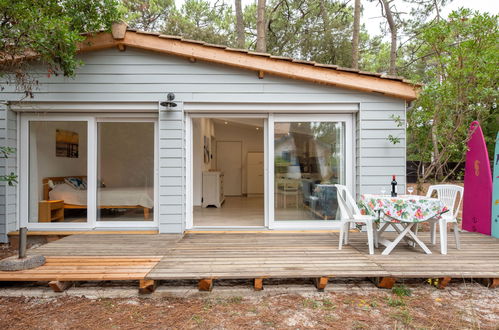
(477, 204)
(495, 192)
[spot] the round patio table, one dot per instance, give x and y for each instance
(405, 211)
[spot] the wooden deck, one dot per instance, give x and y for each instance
(109, 246)
(210, 256)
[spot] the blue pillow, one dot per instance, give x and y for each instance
(76, 183)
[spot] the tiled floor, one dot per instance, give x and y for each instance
(235, 211)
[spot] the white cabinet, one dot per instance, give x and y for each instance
(255, 180)
(213, 189)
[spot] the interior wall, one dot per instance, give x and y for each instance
(43, 160)
(126, 154)
(201, 127)
(252, 140)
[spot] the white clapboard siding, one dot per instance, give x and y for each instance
(141, 76)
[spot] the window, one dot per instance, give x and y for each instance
(309, 159)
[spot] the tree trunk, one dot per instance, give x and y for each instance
(355, 35)
(393, 31)
(240, 25)
(261, 43)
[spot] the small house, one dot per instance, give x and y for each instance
(158, 133)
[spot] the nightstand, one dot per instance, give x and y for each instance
(50, 211)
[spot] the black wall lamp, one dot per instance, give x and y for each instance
(169, 103)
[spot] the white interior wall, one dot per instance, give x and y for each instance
(201, 127)
(126, 154)
(43, 161)
(251, 140)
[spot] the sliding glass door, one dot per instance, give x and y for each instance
(57, 172)
(125, 172)
(311, 154)
(86, 172)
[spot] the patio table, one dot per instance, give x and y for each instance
(405, 211)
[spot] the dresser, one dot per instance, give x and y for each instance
(213, 189)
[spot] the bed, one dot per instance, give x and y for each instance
(108, 198)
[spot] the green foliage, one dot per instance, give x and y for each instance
(311, 30)
(460, 56)
(395, 302)
(403, 316)
(198, 20)
(401, 291)
(147, 15)
(11, 178)
(51, 29)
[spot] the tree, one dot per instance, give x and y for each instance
(355, 35)
(461, 57)
(388, 14)
(310, 30)
(241, 38)
(199, 20)
(261, 27)
(49, 29)
(147, 15)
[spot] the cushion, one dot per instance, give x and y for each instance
(76, 183)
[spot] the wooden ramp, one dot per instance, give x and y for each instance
(104, 257)
(86, 269)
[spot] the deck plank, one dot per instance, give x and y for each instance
(239, 255)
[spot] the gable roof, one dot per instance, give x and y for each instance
(259, 62)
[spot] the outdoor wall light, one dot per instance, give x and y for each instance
(169, 103)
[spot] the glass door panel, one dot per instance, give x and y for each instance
(125, 171)
(57, 171)
(309, 158)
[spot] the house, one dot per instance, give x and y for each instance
(233, 145)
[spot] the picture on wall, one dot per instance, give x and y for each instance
(66, 143)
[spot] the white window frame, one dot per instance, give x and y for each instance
(131, 224)
(92, 120)
(348, 121)
(270, 119)
(189, 204)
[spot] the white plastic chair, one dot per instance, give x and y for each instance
(351, 213)
(448, 194)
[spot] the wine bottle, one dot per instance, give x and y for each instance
(394, 186)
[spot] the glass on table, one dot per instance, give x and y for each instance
(410, 190)
(383, 191)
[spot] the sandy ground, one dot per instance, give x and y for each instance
(344, 305)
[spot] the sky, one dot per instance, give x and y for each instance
(371, 15)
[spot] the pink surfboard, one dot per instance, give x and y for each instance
(477, 202)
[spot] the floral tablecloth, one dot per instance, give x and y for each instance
(403, 208)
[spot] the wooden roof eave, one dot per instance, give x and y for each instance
(293, 70)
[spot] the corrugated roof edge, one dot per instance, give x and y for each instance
(277, 57)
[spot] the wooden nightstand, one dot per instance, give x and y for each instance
(49, 211)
